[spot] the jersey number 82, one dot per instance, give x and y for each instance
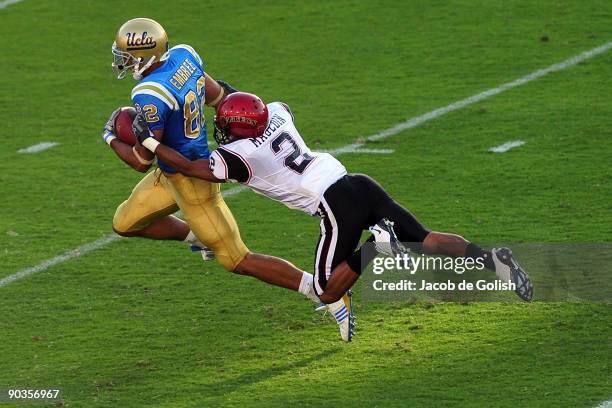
(193, 110)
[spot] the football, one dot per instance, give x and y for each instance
(123, 125)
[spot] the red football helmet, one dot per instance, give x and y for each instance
(240, 115)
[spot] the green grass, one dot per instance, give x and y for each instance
(145, 324)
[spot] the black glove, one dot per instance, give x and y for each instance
(140, 128)
(227, 87)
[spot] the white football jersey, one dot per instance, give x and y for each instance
(278, 164)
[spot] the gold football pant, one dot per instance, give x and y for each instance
(159, 194)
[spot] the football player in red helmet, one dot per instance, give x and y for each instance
(172, 90)
(240, 115)
(261, 148)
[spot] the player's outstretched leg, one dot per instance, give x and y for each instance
(410, 230)
(500, 260)
(341, 280)
(170, 228)
(278, 272)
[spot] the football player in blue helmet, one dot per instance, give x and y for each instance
(172, 91)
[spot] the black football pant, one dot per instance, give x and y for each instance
(349, 206)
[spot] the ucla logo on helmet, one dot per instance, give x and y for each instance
(144, 42)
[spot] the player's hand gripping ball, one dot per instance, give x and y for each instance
(123, 125)
(140, 128)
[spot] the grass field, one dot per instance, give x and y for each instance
(145, 324)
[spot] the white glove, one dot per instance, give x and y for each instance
(108, 133)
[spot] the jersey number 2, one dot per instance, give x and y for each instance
(291, 159)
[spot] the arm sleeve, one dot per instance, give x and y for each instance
(226, 165)
(155, 110)
(217, 166)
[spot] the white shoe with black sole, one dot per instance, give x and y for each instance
(342, 310)
(508, 270)
(385, 240)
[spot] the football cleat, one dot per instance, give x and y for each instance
(385, 240)
(207, 253)
(508, 270)
(342, 310)
(321, 308)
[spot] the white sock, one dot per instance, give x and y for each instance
(192, 239)
(307, 287)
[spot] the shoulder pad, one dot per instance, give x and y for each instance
(157, 90)
(282, 106)
(189, 49)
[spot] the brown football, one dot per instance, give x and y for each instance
(123, 125)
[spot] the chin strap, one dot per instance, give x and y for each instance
(138, 72)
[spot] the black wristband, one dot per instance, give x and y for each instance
(227, 87)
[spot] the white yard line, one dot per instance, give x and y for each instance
(394, 130)
(373, 151)
(503, 148)
(416, 121)
(605, 404)
(360, 149)
(66, 256)
(234, 190)
(38, 147)
(7, 3)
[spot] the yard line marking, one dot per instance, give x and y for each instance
(605, 404)
(410, 123)
(503, 148)
(7, 3)
(66, 256)
(233, 191)
(83, 249)
(359, 149)
(373, 151)
(400, 127)
(38, 147)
